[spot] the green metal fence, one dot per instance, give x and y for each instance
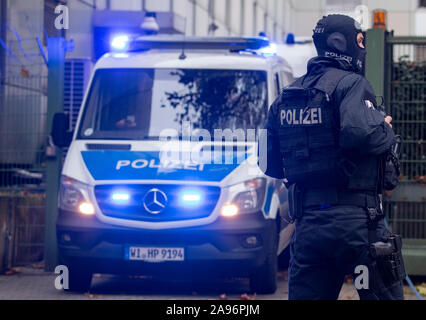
(405, 96)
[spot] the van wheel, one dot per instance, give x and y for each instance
(79, 280)
(264, 279)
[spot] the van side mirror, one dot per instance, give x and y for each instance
(60, 135)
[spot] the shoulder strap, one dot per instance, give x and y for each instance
(326, 83)
(329, 81)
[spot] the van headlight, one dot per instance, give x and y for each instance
(245, 197)
(74, 196)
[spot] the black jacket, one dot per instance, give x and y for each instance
(364, 135)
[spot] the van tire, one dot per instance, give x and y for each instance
(264, 279)
(79, 280)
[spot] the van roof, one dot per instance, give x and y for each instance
(195, 59)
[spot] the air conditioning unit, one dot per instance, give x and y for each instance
(76, 78)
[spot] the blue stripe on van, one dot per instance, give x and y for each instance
(145, 165)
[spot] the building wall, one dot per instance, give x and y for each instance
(80, 29)
(248, 17)
(231, 17)
(404, 17)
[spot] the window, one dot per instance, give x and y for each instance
(137, 104)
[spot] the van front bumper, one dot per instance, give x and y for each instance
(217, 248)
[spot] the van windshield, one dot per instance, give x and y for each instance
(137, 104)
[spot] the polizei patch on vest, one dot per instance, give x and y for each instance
(301, 116)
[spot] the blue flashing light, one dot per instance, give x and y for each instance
(290, 39)
(120, 42)
(191, 198)
(269, 51)
(120, 197)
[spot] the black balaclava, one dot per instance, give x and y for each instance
(335, 36)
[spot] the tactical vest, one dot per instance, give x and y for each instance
(309, 126)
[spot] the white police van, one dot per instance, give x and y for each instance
(161, 175)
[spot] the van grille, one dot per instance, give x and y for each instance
(173, 210)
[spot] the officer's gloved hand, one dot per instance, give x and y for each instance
(388, 120)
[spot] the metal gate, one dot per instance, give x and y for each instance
(405, 95)
(23, 108)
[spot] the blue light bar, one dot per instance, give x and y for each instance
(120, 42)
(191, 197)
(120, 197)
(193, 42)
(270, 50)
(290, 39)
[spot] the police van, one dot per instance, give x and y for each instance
(161, 174)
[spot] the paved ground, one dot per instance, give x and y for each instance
(32, 283)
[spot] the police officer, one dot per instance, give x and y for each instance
(331, 142)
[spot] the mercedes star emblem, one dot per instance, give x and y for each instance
(155, 201)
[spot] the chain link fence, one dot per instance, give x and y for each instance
(23, 112)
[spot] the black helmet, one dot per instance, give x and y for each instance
(335, 36)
